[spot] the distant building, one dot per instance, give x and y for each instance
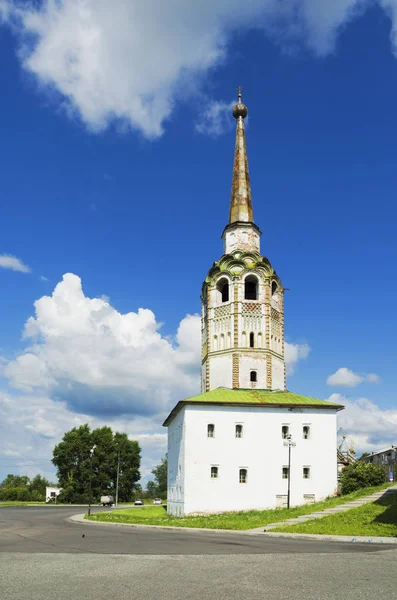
(344, 459)
(228, 448)
(384, 458)
(51, 493)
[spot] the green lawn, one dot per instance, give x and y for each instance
(157, 515)
(17, 503)
(377, 519)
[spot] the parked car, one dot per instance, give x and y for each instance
(157, 501)
(107, 500)
(138, 503)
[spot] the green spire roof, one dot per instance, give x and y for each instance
(250, 397)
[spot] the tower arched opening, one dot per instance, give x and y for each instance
(223, 290)
(251, 288)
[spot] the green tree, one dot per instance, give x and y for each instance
(37, 487)
(364, 454)
(158, 487)
(76, 466)
(15, 481)
(359, 475)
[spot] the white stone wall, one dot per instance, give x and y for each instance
(176, 464)
(277, 374)
(241, 237)
(252, 362)
(221, 371)
(260, 451)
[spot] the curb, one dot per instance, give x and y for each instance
(329, 538)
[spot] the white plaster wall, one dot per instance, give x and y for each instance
(241, 237)
(176, 465)
(277, 374)
(220, 371)
(252, 362)
(261, 451)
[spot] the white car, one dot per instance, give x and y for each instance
(138, 503)
(157, 501)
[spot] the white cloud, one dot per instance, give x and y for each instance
(366, 424)
(344, 377)
(7, 261)
(294, 353)
(43, 278)
(82, 351)
(131, 61)
(372, 378)
(216, 118)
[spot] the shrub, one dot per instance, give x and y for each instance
(23, 494)
(359, 475)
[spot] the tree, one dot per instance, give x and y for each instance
(37, 487)
(15, 481)
(76, 466)
(359, 475)
(158, 487)
(364, 454)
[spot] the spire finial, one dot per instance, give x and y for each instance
(241, 201)
(240, 110)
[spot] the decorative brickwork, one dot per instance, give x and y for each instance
(267, 313)
(235, 323)
(236, 371)
(207, 364)
(269, 372)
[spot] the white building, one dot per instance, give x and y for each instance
(52, 493)
(228, 447)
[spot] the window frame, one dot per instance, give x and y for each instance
(286, 469)
(243, 477)
(214, 472)
(309, 472)
(285, 436)
(212, 436)
(308, 426)
(238, 437)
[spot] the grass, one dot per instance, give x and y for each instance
(243, 520)
(18, 503)
(377, 519)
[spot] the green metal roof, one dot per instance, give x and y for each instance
(252, 397)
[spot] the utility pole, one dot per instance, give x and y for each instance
(117, 479)
(90, 481)
(289, 443)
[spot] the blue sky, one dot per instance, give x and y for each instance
(116, 168)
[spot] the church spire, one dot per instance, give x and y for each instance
(241, 200)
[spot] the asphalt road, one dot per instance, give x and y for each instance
(43, 555)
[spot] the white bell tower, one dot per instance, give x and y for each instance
(242, 297)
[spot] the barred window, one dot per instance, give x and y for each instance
(239, 431)
(214, 472)
(243, 475)
(285, 472)
(285, 431)
(306, 472)
(211, 430)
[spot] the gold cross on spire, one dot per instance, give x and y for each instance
(239, 91)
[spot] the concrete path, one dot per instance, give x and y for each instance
(328, 511)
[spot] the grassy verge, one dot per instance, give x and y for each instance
(17, 503)
(377, 519)
(243, 520)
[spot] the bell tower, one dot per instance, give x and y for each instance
(242, 296)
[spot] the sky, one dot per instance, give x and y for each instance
(116, 154)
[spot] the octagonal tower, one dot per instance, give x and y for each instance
(242, 296)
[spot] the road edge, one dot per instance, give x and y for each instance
(308, 536)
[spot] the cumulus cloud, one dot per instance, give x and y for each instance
(84, 352)
(131, 61)
(7, 261)
(294, 353)
(366, 424)
(344, 377)
(216, 118)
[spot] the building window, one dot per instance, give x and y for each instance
(214, 472)
(251, 288)
(306, 432)
(252, 340)
(285, 473)
(285, 432)
(274, 287)
(253, 376)
(223, 289)
(306, 472)
(239, 431)
(243, 475)
(211, 430)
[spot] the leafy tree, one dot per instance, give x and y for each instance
(37, 487)
(359, 475)
(158, 487)
(76, 466)
(364, 454)
(15, 481)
